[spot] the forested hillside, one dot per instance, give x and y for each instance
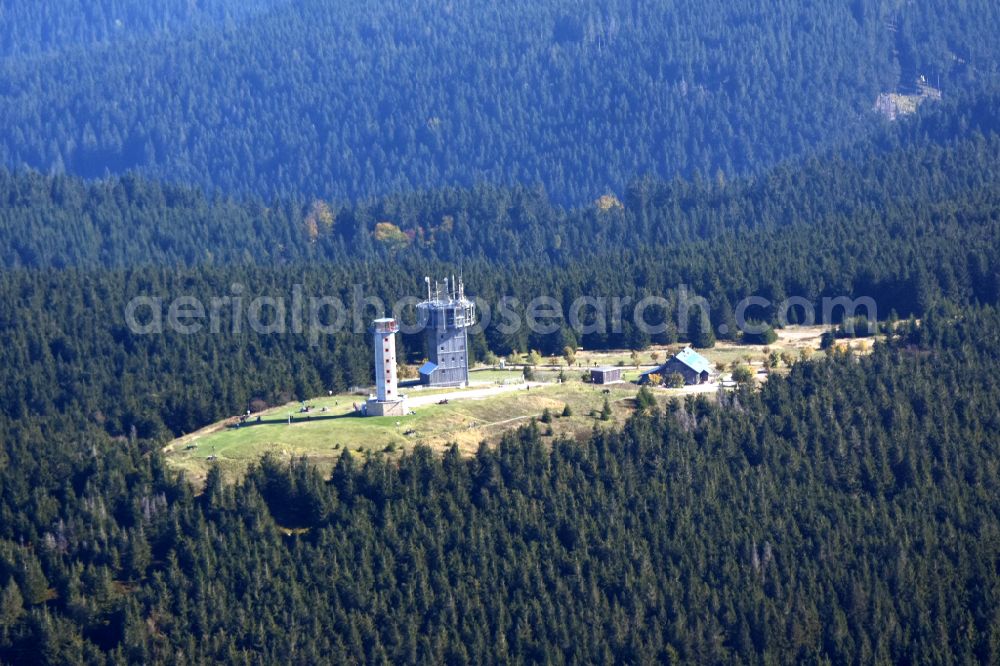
(843, 512)
(912, 226)
(847, 514)
(348, 99)
(59, 26)
(947, 157)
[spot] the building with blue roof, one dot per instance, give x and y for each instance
(695, 368)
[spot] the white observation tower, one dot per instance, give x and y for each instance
(387, 400)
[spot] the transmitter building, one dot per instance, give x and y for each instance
(448, 315)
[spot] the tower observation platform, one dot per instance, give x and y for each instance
(449, 315)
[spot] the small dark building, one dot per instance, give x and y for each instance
(695, 368)
(607, 375)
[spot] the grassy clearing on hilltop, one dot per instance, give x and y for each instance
(324, 436)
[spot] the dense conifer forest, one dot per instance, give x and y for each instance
(844, 512)
(352, 99)
(910, 224)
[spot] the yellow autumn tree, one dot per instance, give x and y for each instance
(319, 217)
(608, 202)
(390, 234)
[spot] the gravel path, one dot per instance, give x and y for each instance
(468, 394)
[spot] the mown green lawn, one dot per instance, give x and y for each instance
(323, 436)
